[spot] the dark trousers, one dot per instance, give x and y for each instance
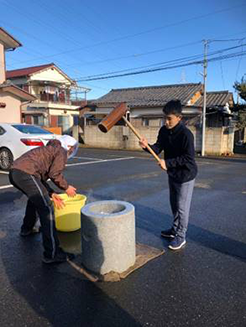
(38, 203)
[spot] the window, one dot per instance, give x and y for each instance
(2, 130)
(145, 122)
(38, 120)
(75, 120)
(29, 129)
(63, 122)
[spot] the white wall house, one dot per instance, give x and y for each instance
(58, 97)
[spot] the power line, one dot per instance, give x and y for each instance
(115, 58)
(233, 55)
(238, 66)
(226, 40)
(46, 25)
(176, 63)
(161, 63)
(137, 55)
(183, 60)
(172, 24)
(50, 27)
(139, 33)
(160, 50)
(147, 66)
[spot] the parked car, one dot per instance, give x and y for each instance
(241, 143)
(16, 139)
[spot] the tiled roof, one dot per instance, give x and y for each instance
(26, 71)
(215, 99)
(152, 95)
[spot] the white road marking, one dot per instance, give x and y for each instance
(99, 161)
(5, 186)
(82, 163)
(4, 172)
(87, 158)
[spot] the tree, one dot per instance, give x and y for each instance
(241, 123)
(241, 88)
(241, 108)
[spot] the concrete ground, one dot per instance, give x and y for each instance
(201, 285)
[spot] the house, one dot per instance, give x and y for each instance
(218, 108)
(11, 96)
(145, 112)
(146, 103)
(56, 103)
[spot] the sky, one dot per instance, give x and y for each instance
(97, 37)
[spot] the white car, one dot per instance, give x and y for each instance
(16, 139)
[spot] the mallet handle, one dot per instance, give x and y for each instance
(139, 137)
(91, 277)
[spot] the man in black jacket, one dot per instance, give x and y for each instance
(177, 142)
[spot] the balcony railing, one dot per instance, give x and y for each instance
(54, 98)
(61, 99)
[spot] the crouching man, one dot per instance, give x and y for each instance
(29, 174)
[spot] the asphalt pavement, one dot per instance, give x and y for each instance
(204, 284)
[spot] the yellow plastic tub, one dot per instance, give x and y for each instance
(67, 219)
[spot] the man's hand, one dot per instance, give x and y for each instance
(58, 202)
(143, 143)
(71, 191)
(162, 164)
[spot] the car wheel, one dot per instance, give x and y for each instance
(6, 158)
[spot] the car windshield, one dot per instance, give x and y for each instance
(30, 129)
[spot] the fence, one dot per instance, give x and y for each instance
(219, 140)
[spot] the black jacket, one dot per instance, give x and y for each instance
(179, 152)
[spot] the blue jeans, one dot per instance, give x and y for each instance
(180, 200)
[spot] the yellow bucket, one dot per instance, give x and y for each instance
(67, 219)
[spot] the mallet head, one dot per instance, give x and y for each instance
(111, 119)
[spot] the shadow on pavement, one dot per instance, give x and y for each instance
(14, 196)
(217, 242)
(54, 295)
(154, 221)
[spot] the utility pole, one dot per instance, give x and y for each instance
(205, 64)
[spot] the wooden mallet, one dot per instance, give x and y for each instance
(115, 115)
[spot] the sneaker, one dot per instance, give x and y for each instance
(34, 230)
(177, 243)
(169, 233)
(59, 257)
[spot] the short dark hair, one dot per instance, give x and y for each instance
(173, 107)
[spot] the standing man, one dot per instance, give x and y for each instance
(29, 174)
(177, 142)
